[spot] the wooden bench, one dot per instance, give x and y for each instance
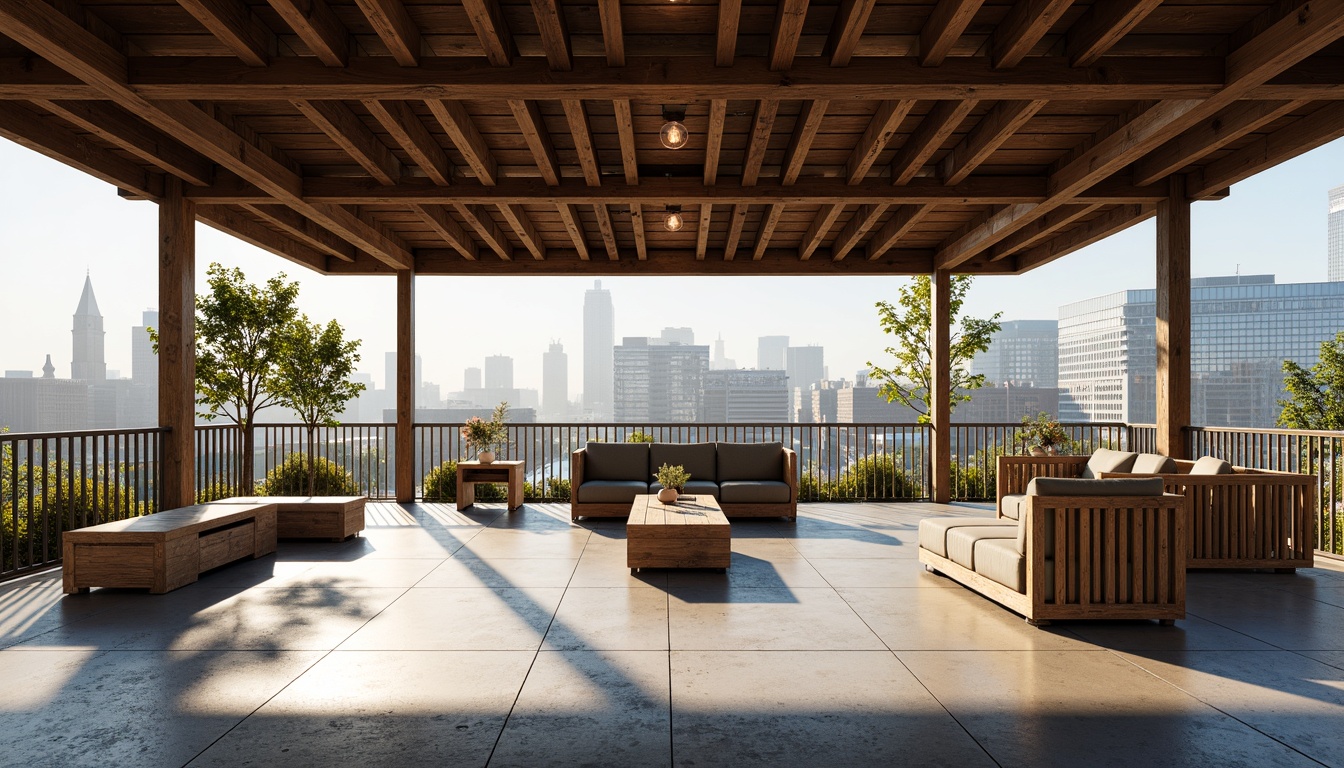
(167, 550)
(335, 518)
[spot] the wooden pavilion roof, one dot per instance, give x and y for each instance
(511, 137)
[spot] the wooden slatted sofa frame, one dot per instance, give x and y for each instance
(1248, 518)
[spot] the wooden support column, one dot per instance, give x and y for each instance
(1173, 319)
(940, 400)
(405, 437)
(177, 346)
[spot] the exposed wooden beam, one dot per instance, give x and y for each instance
(1172, 315)
(301, 228)
(344, 127)
(702, 234)
(1100, 228)
(582, 131)
(24, 127)
(1104, 24)
(761, 128)
(735, 222)
(943, 28)
(804, 132)
(538, 139)
(1308, 28)
(819, 229)
(395, 28)
(233, 24)
(725, 45)
(1022, 29)
(319, 29)
(443, 224)
(850, 21)
(483, 224)
(637, 226)
(718, 115)
(880, 130)
(766, 231)
(613, 34)
(996, 127)
(789, 18)
(777, 261)
(1320, 127)
(864, 219)
(522, 226)
(461, 129)
(944, 119)
(405, 127)
(1209, 136)
(491, 30)
(127, 132)
(608, 231)
(554, 34)
(233, 223)
(574, 226)
(625, 130)
(1040, 229)
(903, 219)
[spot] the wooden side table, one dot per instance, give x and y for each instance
(471, 472)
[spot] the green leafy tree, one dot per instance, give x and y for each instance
(1315, 395)
(910, 379)
(313, 377)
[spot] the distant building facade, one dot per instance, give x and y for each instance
(1022, 353)
(805, 366)
(86, 360)
(599, 341)
(655, 382)
(555, 383)
(1006, 404)
(771, 353)
(499, 372)
(1335, 234)
(745, 396)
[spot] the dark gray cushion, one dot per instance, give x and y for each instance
(750, 461)
(1106, 460)
(611, 491)
(696, 458)
(617, 461)
(933, 530)
(1153, 464)
(754, 492)
(1208, 465)
(1011, 505)
(1077, 486)
(693, 488)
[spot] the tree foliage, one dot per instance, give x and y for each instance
(910, 380)
(292, 478)
(1315, 395)
(313, 376)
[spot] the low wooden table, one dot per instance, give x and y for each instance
(471, 472)
(690, 533)
(166, 550)
(312, 517)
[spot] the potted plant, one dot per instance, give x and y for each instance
(1043, 435)
(673, 479)
(483, 436)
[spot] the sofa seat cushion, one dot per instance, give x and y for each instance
(754, 492)
(961, 541)
(1077, 486)
(610, 491)
(1153, 464)
(1106, 460)
(1208, 465)
(1012, 505)
(999, 560)
(697, 458)
(750, 461)
(933, 530)
(693, 488)
(617, 461)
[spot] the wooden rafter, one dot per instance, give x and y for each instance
(522, 225)
(928, 138)
(1209, 136)
(441, 221)
(725, 45)
(554, 34)
(483, 224)
(1040, 229)
(538, 139)
(613, 35)
(249, 231)
(766, 231)
(1104, 24)
(789, 18)
(880, 130)
(491, 30)
(395, 28)
(608, 232)
(406, 128)
(804, 133)
(903, 219)
(1084, 235)
(625, 130)
(344, 127)
(1023, 28)
(461, 129)
(859, 225)
(996, 127)
(702, 234)
(301, 228)
(317, 26)
(637, 226)
(819, 229)
(850, 21)
(24, 127)
(718, 115)
(582, 131)
(569, 215)
(761, 128)
(233, 24)
(1320, 127)
(943, 28)
(735, 224)
(121, 129)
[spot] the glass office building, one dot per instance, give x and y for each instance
(1242, 329)
(1023, 353)
(1334, 224)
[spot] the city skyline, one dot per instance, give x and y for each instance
(67, 222)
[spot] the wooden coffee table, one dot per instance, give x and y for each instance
(690, 533)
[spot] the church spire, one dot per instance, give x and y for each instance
(88, 305)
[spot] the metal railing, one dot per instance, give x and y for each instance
(364, 454)
(51, 482)
(976, 448)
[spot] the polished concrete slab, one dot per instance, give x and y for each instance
(486, 637)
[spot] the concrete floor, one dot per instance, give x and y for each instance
(449, 639)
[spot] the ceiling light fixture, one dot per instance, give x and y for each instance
(674, 134)
(675, 221)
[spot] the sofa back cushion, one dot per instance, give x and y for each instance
(696, 458)
(1209, 465)
(750, 461)
(1077, 486)
(617, 461)
(1106, 460)
(1153, 464)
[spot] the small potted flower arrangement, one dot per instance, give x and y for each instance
(673, 479)
(484, 436)
(1043, 435)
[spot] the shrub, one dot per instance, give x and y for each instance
(556, 489)
(93, 502)
(291, 478)
(440, 484)
(639, 437)
(215, 490)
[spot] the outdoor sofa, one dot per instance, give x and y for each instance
(747, 479)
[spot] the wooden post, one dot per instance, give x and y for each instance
(177, 346)
(1173, 319)
(940, 400)
(405, 437)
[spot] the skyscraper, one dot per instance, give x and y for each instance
(144, 363)
(499, 372)
(555, 383)
(718, 361)
(1022, 353)
(1335, 234)
(771, 352)
(659, 382)
(86, 360)
(599, 339)
(471, 378)
(804, 366)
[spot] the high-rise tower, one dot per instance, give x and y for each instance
(599, 339)
(86, 360)
(554, 383)
(1335, 229)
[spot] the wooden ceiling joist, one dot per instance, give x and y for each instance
(1210, 135)
(24, 127)
(582, 131)
(880, 130)
(766, 231)
(569, 216)
(492, 31)
(395, 28)
(702, 234)
(441, 221)
(554, 31)
(613, 34)
(736, 222)
(233, 223)
(461, 130)
(637, 227)
(318, 27)
(533, 128)
(625, 130)
(233, 24)
(607, 230)
(804, 133)
(301, 228)
(789, 18)
(859, 225)
(405, 127)
(1083, 235)
(928, 138)
(943, 28)
(1319, 128)
(762, 126)
(121, 129)
(725, 43)
(903, 219)
(1040, 229)
(1000, 124)
(1022, 29)
(850, 21)
(522, 226)
(1102, 26)
(346, 130)
(483, 224)
(718, 115)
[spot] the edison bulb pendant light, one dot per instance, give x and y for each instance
(674, 135)
(674, 221)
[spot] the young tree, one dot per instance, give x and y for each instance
(1315, 396)
(909, 381)
(313, 377)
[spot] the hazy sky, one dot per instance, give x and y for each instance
(56, 222)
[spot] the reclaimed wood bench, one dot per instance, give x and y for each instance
(167, 550)
(335, 518)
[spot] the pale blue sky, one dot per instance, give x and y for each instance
(58, 222)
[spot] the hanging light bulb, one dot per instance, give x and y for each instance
(674, 134)
(675, 221)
